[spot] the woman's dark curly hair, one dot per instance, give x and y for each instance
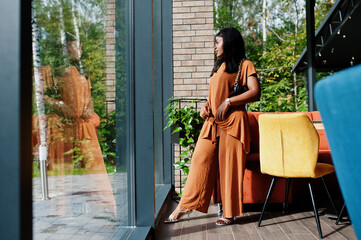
(233, 50)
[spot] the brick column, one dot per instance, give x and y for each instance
(193, 56)
(193, 43)
(110, 55)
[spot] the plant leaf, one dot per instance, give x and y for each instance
(178, 129)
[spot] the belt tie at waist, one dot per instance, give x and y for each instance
(214, 129)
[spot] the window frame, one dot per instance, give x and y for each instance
(15, 104)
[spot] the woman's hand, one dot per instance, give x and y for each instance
(87, 113)
(66, 110)
(205, 111)
(221, 111)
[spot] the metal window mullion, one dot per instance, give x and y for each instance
(131, 131)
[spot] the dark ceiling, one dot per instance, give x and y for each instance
(338, 39)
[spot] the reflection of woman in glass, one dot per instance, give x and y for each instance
(81, 184)
(78, 123)
(224, 139)
(75, 91)
(72, 134)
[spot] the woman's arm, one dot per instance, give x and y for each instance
(253, 94)
(66, 111)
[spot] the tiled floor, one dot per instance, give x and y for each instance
(80, 208)
(296, 225)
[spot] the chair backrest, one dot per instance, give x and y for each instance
(338, 98)
(288, 145)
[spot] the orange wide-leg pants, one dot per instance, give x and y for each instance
(227, 156)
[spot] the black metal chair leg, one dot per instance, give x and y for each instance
(285, 204)
(315, 210)
(340, 215)
(329, 196)
(267, 198)
(220, 209)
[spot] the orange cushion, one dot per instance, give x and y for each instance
(255, 188)
(252, 161)
(316, 116)
(324, 156)
(323, 140)
(253, 125)
(256, 114)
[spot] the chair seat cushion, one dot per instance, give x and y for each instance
(323, 169)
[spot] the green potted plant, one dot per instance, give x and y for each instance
(185, 123)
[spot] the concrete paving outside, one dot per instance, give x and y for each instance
(81, 207)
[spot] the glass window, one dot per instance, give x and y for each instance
(81, 180)
(158, 98)
(162, 92)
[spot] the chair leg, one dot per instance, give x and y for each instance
(329, 196)
(267, 198)
(315, 210)
(340, 215)
(220, 209)
(285, 204)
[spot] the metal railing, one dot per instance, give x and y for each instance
(182, 102)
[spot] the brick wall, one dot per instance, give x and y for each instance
(110, 55)
(193, 56)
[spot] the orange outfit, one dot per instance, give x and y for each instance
(221, 145)
(55, 139)
(67, 137)
(75, 91)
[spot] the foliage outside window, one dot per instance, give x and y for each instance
(275, 35)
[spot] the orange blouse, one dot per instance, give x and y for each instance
(75, 90)
(236, 119)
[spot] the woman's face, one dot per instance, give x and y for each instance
(218, 47)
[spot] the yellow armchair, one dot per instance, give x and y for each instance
(289, 149)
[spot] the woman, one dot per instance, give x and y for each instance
(224, 140)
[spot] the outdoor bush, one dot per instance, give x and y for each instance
(107, 138)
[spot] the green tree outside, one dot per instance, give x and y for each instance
(286, 38)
